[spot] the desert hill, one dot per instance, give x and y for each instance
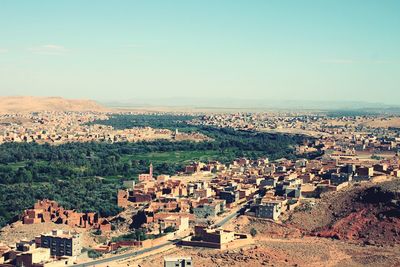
(368, 213)
(20, 104)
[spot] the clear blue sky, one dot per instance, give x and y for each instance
(118, 50)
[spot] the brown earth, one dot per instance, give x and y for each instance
(18, 231)
(383, 122)
(263, 227)
(369, 213)
(20, 104)
(308, 251)
(361, 222)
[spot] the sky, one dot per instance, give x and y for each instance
(299, 50)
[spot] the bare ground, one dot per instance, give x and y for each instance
(306, 251)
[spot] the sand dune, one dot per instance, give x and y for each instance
(19, 104)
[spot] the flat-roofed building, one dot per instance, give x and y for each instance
(270, 209)
(62, 243)
(178, 262)
(209, 209)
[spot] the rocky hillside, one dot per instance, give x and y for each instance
(16, 104)
(368, 213)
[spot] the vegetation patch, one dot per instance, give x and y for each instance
(86, 176)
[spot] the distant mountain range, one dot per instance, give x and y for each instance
(257, 104)
(15, 104)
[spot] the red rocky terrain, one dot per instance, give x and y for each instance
(369, 214)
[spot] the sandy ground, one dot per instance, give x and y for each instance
(279, 245)
(11, 234)
(14, 104)
(283, 252)
(383, 122)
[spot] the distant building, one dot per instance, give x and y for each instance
(178, 262)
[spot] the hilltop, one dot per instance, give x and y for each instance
(20, 104)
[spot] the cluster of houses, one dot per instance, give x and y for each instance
(56, 248)
(351, 133)
(50, 211)
(180, 206)
(67, 127)
(268, 188)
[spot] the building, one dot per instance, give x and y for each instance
(270, 209)
(146, 176)
(229, 196)
(365, 171)
(178, 262)
(348, 169)
(178, 223)
(209, 209)
(128, 197)
(49, 211)
(339, 178)
(217, 236)
(26, 254)
(202, 193)
(62, 243)
(269, 182)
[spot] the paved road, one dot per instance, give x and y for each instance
(125, 256)
(139, 252)
(227, 219)
(231, 216)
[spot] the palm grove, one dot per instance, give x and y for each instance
(86, 176)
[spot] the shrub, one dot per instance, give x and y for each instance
(253, 232)
(93, 254)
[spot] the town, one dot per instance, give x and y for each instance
(65, 127)
(199, 133)
(191, 208)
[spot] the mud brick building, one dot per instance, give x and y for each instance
(49, 211)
